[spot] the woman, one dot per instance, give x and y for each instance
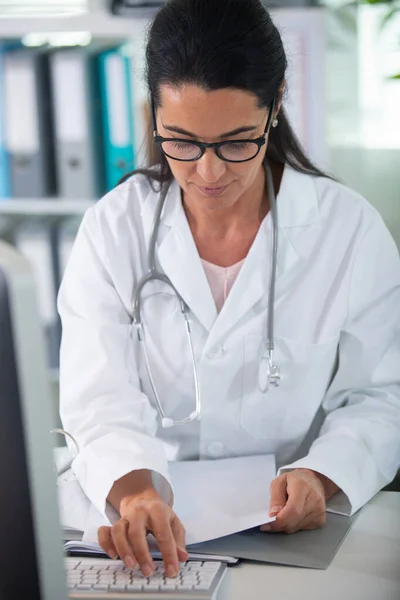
(216, 73)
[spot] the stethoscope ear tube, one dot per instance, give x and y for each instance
(268, 371)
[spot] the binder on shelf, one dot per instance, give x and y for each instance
(4, 166)
(28, 126)
(77, 128)
(117, 114)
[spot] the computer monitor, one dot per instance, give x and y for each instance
(31, 559)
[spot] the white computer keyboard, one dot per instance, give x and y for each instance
(100, 576)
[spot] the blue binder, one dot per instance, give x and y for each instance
(5, 191)
(117, 114)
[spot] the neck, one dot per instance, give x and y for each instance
(220, 224)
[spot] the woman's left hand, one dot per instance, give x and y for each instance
(298, 499)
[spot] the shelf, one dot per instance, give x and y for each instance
(99, 25)
(39, 207)
(102, 24)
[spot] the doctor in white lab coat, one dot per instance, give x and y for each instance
(334, 421)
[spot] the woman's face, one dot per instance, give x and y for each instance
(192, 113)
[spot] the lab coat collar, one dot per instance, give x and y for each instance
(179, 259)
(253, 281)
(297, 199)
(177, 254)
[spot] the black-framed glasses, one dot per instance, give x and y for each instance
(236, 151)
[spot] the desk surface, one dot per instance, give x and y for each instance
(366, 567)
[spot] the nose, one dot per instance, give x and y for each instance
(210, 167)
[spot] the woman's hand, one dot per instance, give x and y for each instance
(143, 513)
(298, 499)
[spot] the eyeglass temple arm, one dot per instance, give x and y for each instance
(270, 116)
(153, 116)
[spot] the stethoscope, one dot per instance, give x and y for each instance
(268, 372)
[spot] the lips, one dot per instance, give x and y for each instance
(213, 191)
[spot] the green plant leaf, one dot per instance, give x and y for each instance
(378, 1)
(389, 16)
(395, 76)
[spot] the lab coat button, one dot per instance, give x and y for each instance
(216, 449)
(215, 352)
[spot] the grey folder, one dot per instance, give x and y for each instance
(29, 136)
(77, 123)
(313, 549)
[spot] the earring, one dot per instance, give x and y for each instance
(275, 123)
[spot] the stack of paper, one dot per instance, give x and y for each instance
(212, 498)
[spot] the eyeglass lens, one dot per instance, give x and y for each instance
(232, 151)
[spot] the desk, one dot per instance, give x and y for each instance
(366, 567)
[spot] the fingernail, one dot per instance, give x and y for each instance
(184, 551)
(112, 554)
(147, 570)
(274, 510)
(265, 527)
(129, 562)
(171, 571)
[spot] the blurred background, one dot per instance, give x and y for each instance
(74, 113)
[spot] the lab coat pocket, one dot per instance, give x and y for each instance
(306, 371)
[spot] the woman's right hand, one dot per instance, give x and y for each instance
(142, 513)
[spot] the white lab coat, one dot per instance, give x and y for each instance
(337, 315)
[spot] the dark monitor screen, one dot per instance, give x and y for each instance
(31, 561)
(18, 565)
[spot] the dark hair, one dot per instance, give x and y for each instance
(217, 44)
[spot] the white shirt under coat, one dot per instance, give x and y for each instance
(337, 336)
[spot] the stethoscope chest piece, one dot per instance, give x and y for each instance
(268, 374)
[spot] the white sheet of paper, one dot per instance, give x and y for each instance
(214, 498)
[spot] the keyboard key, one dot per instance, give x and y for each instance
(201, 587)
(83, 586)
(100, 587)
(206, 580)
(73, 563)
(118, 587)
(152, 587)
(134, 587)
(209, 564)
(185, 587)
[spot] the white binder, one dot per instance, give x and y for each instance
(75, 110)
(28, 127)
